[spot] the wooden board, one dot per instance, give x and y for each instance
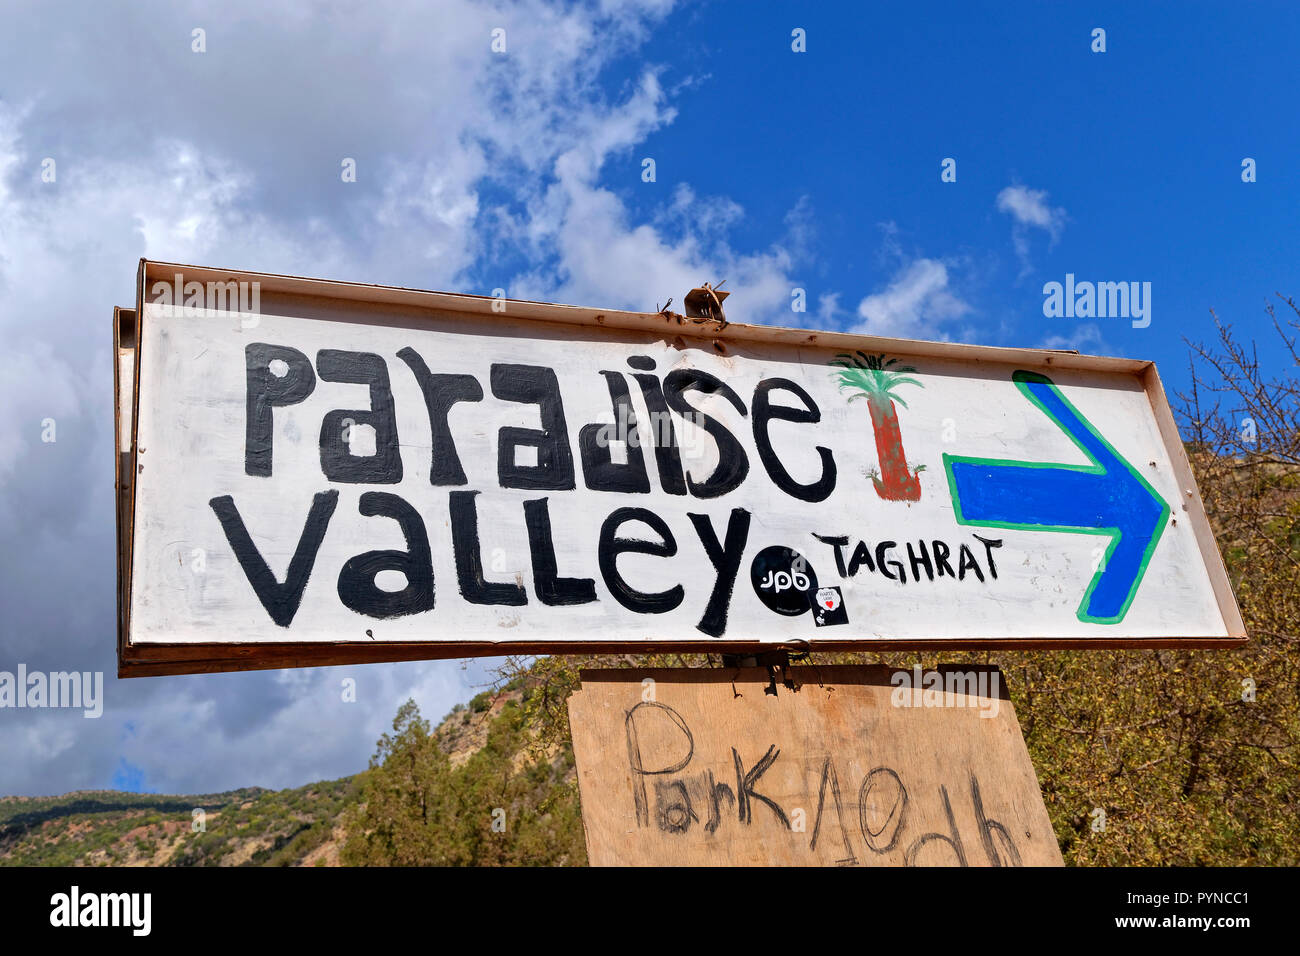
(723, 767)
(459, 475)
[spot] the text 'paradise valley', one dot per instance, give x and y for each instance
(541, 460)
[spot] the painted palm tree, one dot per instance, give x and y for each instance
(876, 379)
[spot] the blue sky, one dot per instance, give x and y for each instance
(1140, 148)
(522, 170)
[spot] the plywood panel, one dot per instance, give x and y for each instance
(841, 766)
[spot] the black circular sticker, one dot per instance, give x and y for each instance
(783, 580)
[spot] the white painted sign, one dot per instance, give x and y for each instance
(336, 470)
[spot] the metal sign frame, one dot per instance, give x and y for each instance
(147, 659)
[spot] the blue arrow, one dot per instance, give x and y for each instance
(1108, 497)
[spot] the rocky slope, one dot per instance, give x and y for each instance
(246, 827)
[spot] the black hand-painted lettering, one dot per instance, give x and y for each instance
(533, 385)
(599, 470)
(338, 463)
(611, 546)
(267, 391)
(551, 589)
(717, 792)
(357, 588)
(861, 556)
(990, 828)
(280, 600)
(469, 558)
(831, 777)
(838, 542)
(441, 392)
(663, 435)
(953, 841)
(966, 559)
(879, 788)
(883, 565)
(745, 782)
(764, 413)
(989, 545)
(918, 561)
(637, 765)
(674, 812)
(941, 553)
(726, 561)
(733, 463)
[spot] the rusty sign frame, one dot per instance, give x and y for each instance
(153, 659)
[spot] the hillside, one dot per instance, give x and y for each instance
(246, 827)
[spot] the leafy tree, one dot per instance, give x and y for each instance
(500, 807)
(405, 793)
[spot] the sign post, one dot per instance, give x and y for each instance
(314, 472)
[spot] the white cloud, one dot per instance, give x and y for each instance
(1029, 207)
(585, 249)
(1029, 210)
(474, 170)
(914, 304)
(828, 310)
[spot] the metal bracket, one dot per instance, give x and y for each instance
(769, 659)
